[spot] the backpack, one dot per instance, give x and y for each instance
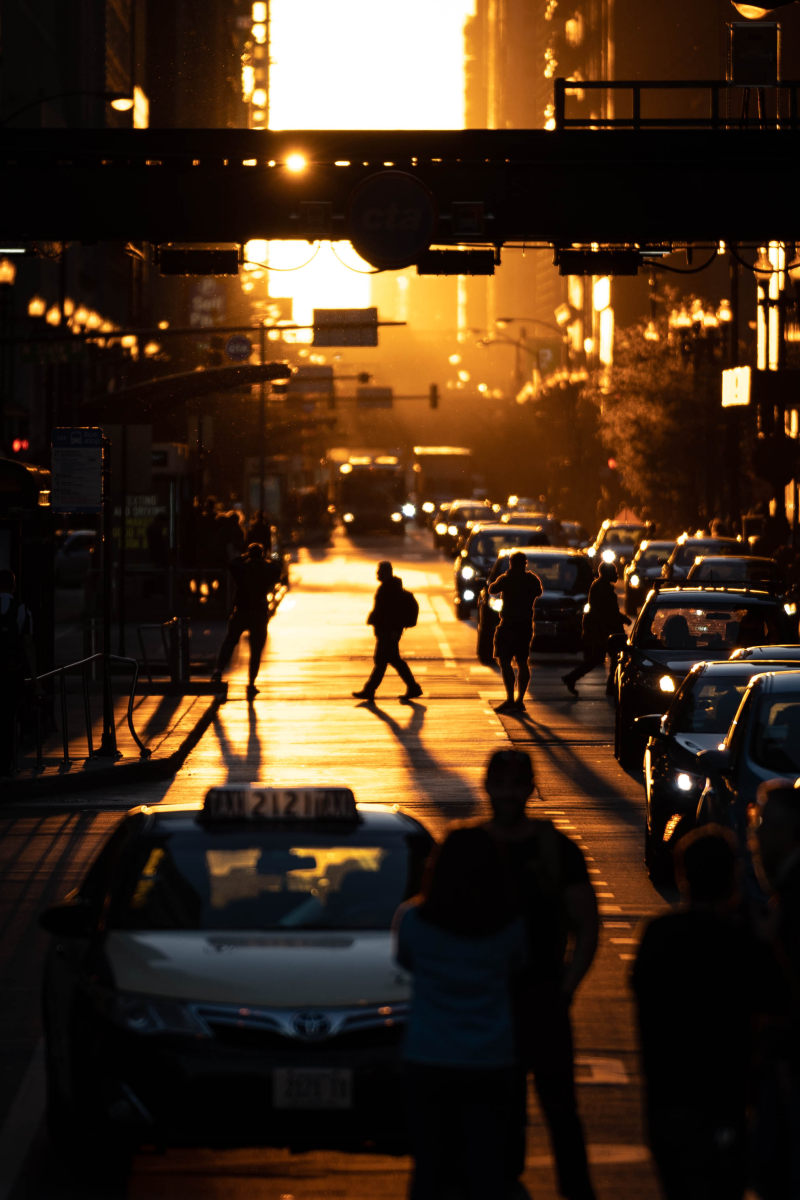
(409, 608)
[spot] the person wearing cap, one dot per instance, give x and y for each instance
(519, 588)
(601, 620)
(253, 578)
(387, 621)
(552, 892)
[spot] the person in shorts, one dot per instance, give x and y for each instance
(519, 588)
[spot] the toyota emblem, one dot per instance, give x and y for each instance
(311, 1025)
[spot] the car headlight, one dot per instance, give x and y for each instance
(496, 603)
(440, 528)
(790, 609)
(428, 506)
(397, 517)
(634, 581)
(609, 556)
(686, 782)
(591, 552)
(467, 572)
(666, 683)
(409, 510)
(587, 607)
(347, 518)
(149, 1015)
(452, 530)
(468, 595)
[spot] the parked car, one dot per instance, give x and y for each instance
(566, 577)
(644, 567)
(617, 542)
(74, 557)
(786, 652)
(698, 718)
(737, 569)
(763, 742)
(676, 628)
(223, 975)
(687, 549)
(479, 554)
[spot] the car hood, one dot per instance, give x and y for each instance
(289, 969)
(674, 661)
(695, 743)
(567, 597)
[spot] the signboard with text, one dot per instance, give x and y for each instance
(345, 327)
(77, 470)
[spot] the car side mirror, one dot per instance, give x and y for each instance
(649, 724)
(68, 920)
(714, 762)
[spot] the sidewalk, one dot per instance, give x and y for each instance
(168, 726)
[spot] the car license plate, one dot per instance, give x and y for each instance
(312, 1087)
(545, 628)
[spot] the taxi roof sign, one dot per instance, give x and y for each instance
(257, 802)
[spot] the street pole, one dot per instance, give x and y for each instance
(262, 419)
(108, 741)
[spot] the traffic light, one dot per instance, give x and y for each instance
(433, 395)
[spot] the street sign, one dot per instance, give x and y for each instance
(345, 326)
(374, 397)
(77, 470)
(736, 384)
(239, 347)
(391, 217)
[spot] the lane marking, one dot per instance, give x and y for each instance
(624, 941)
(22, 1124)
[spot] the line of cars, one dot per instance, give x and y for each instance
(707, 688)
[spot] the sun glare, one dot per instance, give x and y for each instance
(358, 65)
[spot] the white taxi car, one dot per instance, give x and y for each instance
(224, 976)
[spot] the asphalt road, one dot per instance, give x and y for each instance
(429, 757)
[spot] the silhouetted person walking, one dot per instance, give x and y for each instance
(519, 588)
(389, 617)
(253, 578)
(601, 621)
(462, 944)
(702, 980)
(16, 660)
(552, 892)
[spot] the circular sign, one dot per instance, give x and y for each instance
(391, 218)
(239, 347)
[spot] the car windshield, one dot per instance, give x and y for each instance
(776, 740)
(651, 558)
(706, 704)
(284, 879)
(689, 551)
(489, 545)
(705, 628)
(569, 575)
(729, 570)
(622, 537)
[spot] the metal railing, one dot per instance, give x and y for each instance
(174, 634)
(85, 666)
(715, 95)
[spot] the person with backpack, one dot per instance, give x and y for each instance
(393, 610)
(16, 661)
(602, 620)
(552, 892)
(253, 578)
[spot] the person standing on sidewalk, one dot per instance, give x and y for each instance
(519, 588)
(552, 891)
(389, 617)
(601, 620)
(253, 578)
(16, 659)
(462, 944)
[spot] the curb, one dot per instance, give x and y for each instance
(92, 776)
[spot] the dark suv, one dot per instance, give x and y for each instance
(478, 556)
(676, 628)
(687, 549)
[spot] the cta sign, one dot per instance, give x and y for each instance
(391, 219)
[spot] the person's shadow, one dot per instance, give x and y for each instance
(437, 788)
